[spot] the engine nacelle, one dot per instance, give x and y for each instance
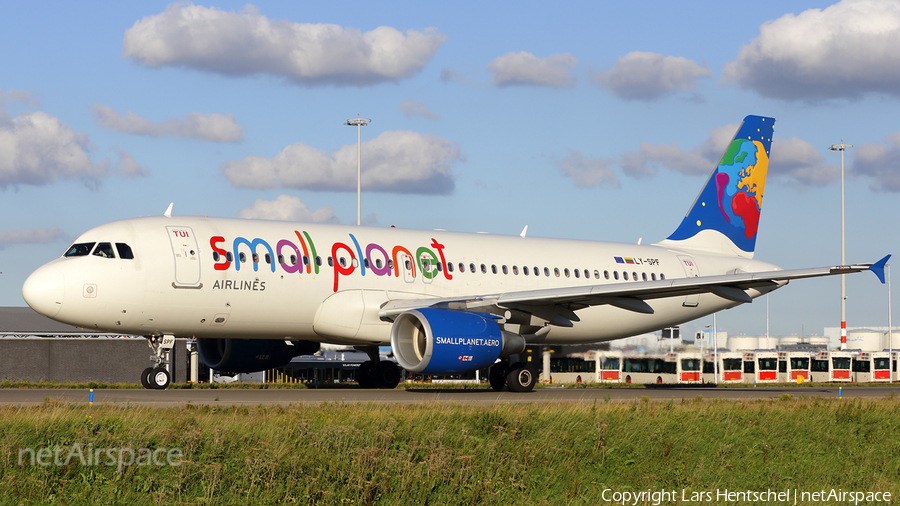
(250, 355)
(442, 341)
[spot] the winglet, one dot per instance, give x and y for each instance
(168, 213)
(878, 268)
(524, 231)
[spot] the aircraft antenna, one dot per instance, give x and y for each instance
(168, 213)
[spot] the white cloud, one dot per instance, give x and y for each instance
(129, 167)
(645, 76)
(288, 208)
(208, 127)
(37, 149)
(394, 162)
(525, 68)
(412, 108)
(879, 162)
(801, 163)
(30, 235)
(247, 43)
(589, 172)
(844, 51)
(792, 159)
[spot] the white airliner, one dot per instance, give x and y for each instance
(257, 293)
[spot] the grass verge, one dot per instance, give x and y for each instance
(452, 454)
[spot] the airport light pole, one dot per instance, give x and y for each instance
(842, 147)
(358, 122)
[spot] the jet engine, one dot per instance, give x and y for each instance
(250, 355)
(443, 341)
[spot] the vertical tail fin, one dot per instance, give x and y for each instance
(725, 217)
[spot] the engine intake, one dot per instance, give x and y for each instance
(443, 341)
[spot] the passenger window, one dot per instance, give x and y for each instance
(80, 249)
(319, 261)
(366, 262)
(644, 276)
(280, 258)
(625, 276)
(305, 260)
(343, 262)
(293, 259)
(494, 268)
(330, 262)
(634, 276)
(525, 270)
(556, 271)
(390, 264)
(597, 274)
(505, 271)
(438, 267)
(653, 276)
(255, 258)
(566, 272)
(472, 268)
(606, 274)
(662, 276)
(577, 273)
(450, 267)
(616, 275)
(354, 262)
(537, 271)
(406, 264)
(378, 263)
(125, 251)
(243, 258)
(104, 249)
(215, 256)
(268, 258)
(515, 270)
(483, 269)
(229, 256)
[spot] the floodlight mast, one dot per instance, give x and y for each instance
(358, 122)
(842, 147)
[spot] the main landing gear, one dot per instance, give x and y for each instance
(518, 377)
(157, 376)
(377, 373)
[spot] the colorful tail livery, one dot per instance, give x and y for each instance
(725, 216)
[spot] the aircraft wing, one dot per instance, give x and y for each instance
(558, 305)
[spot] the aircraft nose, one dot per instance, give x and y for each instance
(44, 290)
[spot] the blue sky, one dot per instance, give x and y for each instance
(582, 120)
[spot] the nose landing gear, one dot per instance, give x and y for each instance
(157, 376)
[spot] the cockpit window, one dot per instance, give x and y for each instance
(80, 249)
(124, 251)
(104, 249)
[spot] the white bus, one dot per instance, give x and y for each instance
(650, 368)
(731, 367)
(831, 367)
(761, 366)
(793, 365)
(871, 367)
(689, 367)
(609, 366)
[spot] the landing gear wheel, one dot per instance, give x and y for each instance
(385, 374)
(364, 375)
(520, 379)
(159, 378)
(145, 378)
(497, 377)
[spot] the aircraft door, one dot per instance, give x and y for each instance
(692, 271)
(186, 255)
(426, 265)
(408, 266)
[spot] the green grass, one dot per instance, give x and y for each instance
(454, 454)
